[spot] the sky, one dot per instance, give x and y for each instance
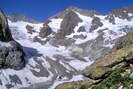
(42, 9)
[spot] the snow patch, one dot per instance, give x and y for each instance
(6, 44)
(55, 24)
(130, 14)
(80, 65)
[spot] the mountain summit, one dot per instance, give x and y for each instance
(59, 49)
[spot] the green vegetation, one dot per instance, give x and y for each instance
(117, 78)
(83, 87)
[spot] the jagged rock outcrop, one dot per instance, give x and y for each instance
(68, 24)
(11, 53)
(45, 31)
(30, 29)
(5, 34)
(115, 59)
(96, 23)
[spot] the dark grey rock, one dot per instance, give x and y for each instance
(95, 24)
(79, 36)
(111, 18)
(82, 29)
(69, 22)
(12, 56)
(30, 29)
(15, 79)
(5, 34)
(9, 86)
(43, 71)
(45, 31)
(1, 82)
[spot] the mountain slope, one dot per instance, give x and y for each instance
(60, 48)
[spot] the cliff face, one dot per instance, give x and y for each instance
(5, 34)
(11, 53)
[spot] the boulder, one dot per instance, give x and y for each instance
(123, 56)
(99, 72)
(81, 29)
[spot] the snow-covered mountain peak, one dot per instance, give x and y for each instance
(61, 47)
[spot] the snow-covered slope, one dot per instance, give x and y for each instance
(61, 59)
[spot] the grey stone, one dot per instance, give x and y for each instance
(69, 22)
(95, 24)
(81, 29)
(43, 71)
(12, 57)
(5, 34)
(45, 31)
(30, 29)
(15, 79)
(9, 86)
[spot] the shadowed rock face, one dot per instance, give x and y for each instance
(30, 29)
(5, 34)
(11, 53)
(95, 23)
(69, 22)
(45, 31)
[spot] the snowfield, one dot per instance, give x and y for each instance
(48, 66)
